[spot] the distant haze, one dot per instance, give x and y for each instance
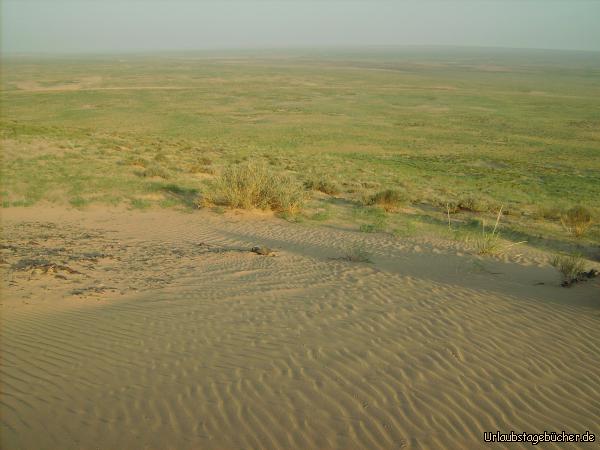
(63, 26)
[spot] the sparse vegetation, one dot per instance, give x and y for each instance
(78, 202)
(447, 166)
(200, 168)
(389, 199)
(489, 242)
(323, 185)
(570, 267)
(473, 204)
(139, 203)
(577, 220)
(249, 185)
(155, 171)
(356, 253)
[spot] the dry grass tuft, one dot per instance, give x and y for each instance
(569, 266)
(248, 186)
(577, 220)
(489, 243)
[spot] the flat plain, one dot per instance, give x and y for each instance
(408, 299)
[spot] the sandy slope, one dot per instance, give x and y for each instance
(160, 330)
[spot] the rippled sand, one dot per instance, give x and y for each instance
(170, 334)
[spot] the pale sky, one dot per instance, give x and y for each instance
(65, 26)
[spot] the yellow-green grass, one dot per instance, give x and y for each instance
(456, 131)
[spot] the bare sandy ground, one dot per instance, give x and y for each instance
(160, 330)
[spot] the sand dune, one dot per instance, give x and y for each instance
(195, 342)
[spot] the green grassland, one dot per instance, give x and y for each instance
(452, 129)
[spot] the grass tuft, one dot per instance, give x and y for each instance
(569, 266)
(249, 185)
(155, 171)
(489, 242)
(577, 220)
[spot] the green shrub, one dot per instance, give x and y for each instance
(577, 220)
(249, 185)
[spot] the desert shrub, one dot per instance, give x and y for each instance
(356, 253)
(249, 185)
(323, 185)
(569, 266)
(577, 220)
(205, 161)
(388, 199)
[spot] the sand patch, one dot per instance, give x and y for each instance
(205, 344)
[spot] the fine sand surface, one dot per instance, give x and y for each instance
(160, 330)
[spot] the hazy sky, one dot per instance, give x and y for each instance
(133, 25)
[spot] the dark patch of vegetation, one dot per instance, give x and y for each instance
(389, 199)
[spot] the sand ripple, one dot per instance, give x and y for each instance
(302, 350)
